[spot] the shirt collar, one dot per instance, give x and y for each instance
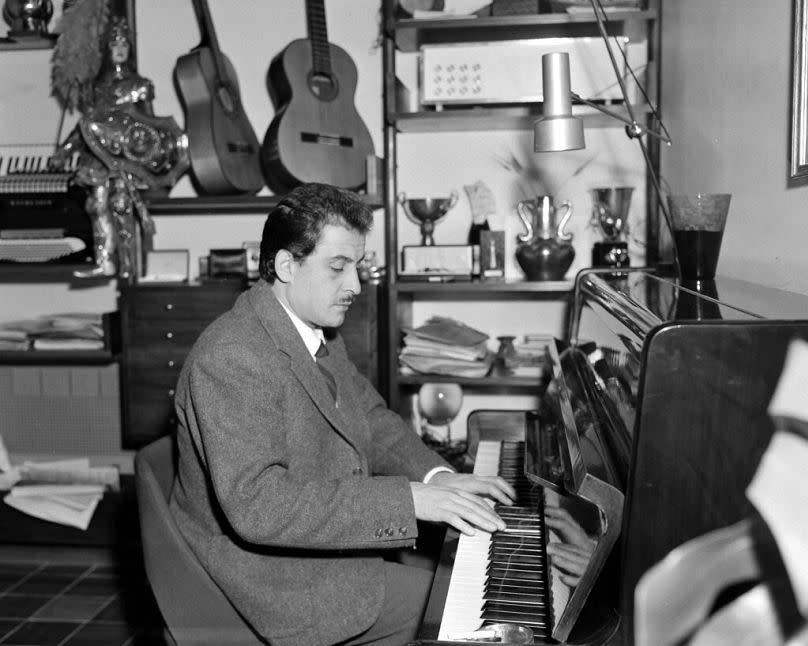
(311, 337)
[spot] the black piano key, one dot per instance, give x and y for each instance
(514, 575)
(523, 559)
(504, 606)
(505, 596)
(495, 566)
(514, 543)
(529, 620)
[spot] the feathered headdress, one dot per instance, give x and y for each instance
(79, 52)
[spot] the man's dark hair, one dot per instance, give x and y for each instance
(296, 223)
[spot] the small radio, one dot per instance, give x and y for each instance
(510, 72)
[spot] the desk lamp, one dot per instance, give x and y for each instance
(558, 130)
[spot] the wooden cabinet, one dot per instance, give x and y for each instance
(402, 119)
(160, 323)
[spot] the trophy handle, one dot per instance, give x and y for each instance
(560, 233)
(522, 208)
(453, 196)
(402, 200)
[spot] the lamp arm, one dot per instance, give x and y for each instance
(605, 36)
(634, 129)
(663, 207)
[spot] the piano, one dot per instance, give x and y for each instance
(651, 421)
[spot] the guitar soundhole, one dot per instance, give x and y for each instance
(323, 86)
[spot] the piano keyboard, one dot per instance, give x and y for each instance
(500, 577)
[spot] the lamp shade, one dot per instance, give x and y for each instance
(557, 129)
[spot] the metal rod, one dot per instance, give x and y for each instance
(637, 129)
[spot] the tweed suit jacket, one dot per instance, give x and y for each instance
(288, 497)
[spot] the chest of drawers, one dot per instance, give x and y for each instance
(160, 323)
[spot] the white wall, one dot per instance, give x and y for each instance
(726, 83)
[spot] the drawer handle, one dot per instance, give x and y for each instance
(169, 335)
(171, 363)
(169, 306)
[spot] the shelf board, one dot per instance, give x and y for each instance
(44, 272)
(56, 357)
(227, 204)
(412, 33)
(28, 42)
(464, 119)
(483, 383)
(550, 288)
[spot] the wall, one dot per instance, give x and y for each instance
(726, 83)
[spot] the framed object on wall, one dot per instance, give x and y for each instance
(799, 93)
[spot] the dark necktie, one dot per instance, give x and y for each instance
(322, 351)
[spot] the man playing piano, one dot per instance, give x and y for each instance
(297, 487)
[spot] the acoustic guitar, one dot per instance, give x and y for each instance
(316, 134)
(223, 147)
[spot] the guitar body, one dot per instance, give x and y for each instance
(316, 134)
(223, 147)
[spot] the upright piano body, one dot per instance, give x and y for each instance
(658, 405)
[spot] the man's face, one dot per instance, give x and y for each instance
(324, 284)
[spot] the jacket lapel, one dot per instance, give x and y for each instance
(283, 333)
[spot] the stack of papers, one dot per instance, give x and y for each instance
(72, 331)
(530, 358)
(14, 340)
(71, 505)
(444, 346)
(63, 491)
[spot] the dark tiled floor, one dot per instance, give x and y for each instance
(46, 602)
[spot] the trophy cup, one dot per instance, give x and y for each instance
(427, 212)
(610, 214)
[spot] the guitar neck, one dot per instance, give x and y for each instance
(318, 35)
(208, 36)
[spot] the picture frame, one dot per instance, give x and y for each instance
(799, 94)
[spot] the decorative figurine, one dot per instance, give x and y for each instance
(28, 17)
(122, 147)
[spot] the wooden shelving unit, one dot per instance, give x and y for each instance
(31, 272)
(15, 44)
(56, 357)
(500, 118)
(409, 35)
(225, 205)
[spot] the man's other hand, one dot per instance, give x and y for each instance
(462, 501)
(492, 487)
